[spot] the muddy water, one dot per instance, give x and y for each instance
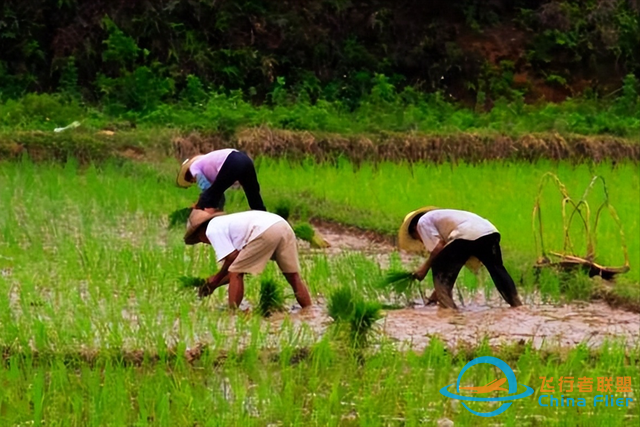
(543, 325)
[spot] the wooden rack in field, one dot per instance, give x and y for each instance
(567, 258)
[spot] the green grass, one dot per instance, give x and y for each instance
(408, 111)
(97, 329)
(377, 197)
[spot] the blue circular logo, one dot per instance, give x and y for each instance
(511, 381)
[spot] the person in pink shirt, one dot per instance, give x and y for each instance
(218, 170)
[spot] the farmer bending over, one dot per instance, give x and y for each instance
(217, 171)
(452, 238)
(244, 242)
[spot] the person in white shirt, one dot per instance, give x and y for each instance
(215, 172)
(452, 238)
(244, 242)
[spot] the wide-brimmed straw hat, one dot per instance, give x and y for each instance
(409, 244)
(196, 219)
(405, 241)
(181, 180)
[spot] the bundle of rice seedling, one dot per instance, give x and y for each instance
(304, 231)
(192, 282)
(179, 218)
(283, 208)
(400, 281)
(349, 309)
(271, 298)
(365, 315)
(341, 304)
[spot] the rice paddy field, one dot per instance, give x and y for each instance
(96, 328)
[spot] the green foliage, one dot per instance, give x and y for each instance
(132, 87)
(271, 297)
(68, 84)
(120, 48)
(42, 111)
(194, 92)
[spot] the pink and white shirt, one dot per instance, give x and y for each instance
(209, 165)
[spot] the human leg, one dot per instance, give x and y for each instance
(236, 289)
(213, 197)
(300, 290)
(487, 249)
(248, 178)
(445, 269)
(286, 256)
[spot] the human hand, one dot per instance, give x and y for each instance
(207, 289)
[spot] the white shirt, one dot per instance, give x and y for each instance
(228, 233)
(451, 224)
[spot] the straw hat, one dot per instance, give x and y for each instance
(405, 241)
(181, 180)
(196, 219)
(409, 244)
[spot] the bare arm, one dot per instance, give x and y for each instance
(222, 276)
(421, 273)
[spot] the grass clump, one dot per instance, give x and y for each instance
(271, 298)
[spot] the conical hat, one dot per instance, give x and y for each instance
(196, 219)
(409, 244)
(181, 180)
(405, 241)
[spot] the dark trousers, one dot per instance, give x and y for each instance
(237, 167)
(447, 265)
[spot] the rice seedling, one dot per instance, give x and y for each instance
(283, 208)
(304, 231)
(346, 307)
(192, 282)
(400, 281)
(92, 333)
(178, 218)
(341, 304)
(364, 316)
(271, 297)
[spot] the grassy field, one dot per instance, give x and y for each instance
(378, 196)
(96, 329)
